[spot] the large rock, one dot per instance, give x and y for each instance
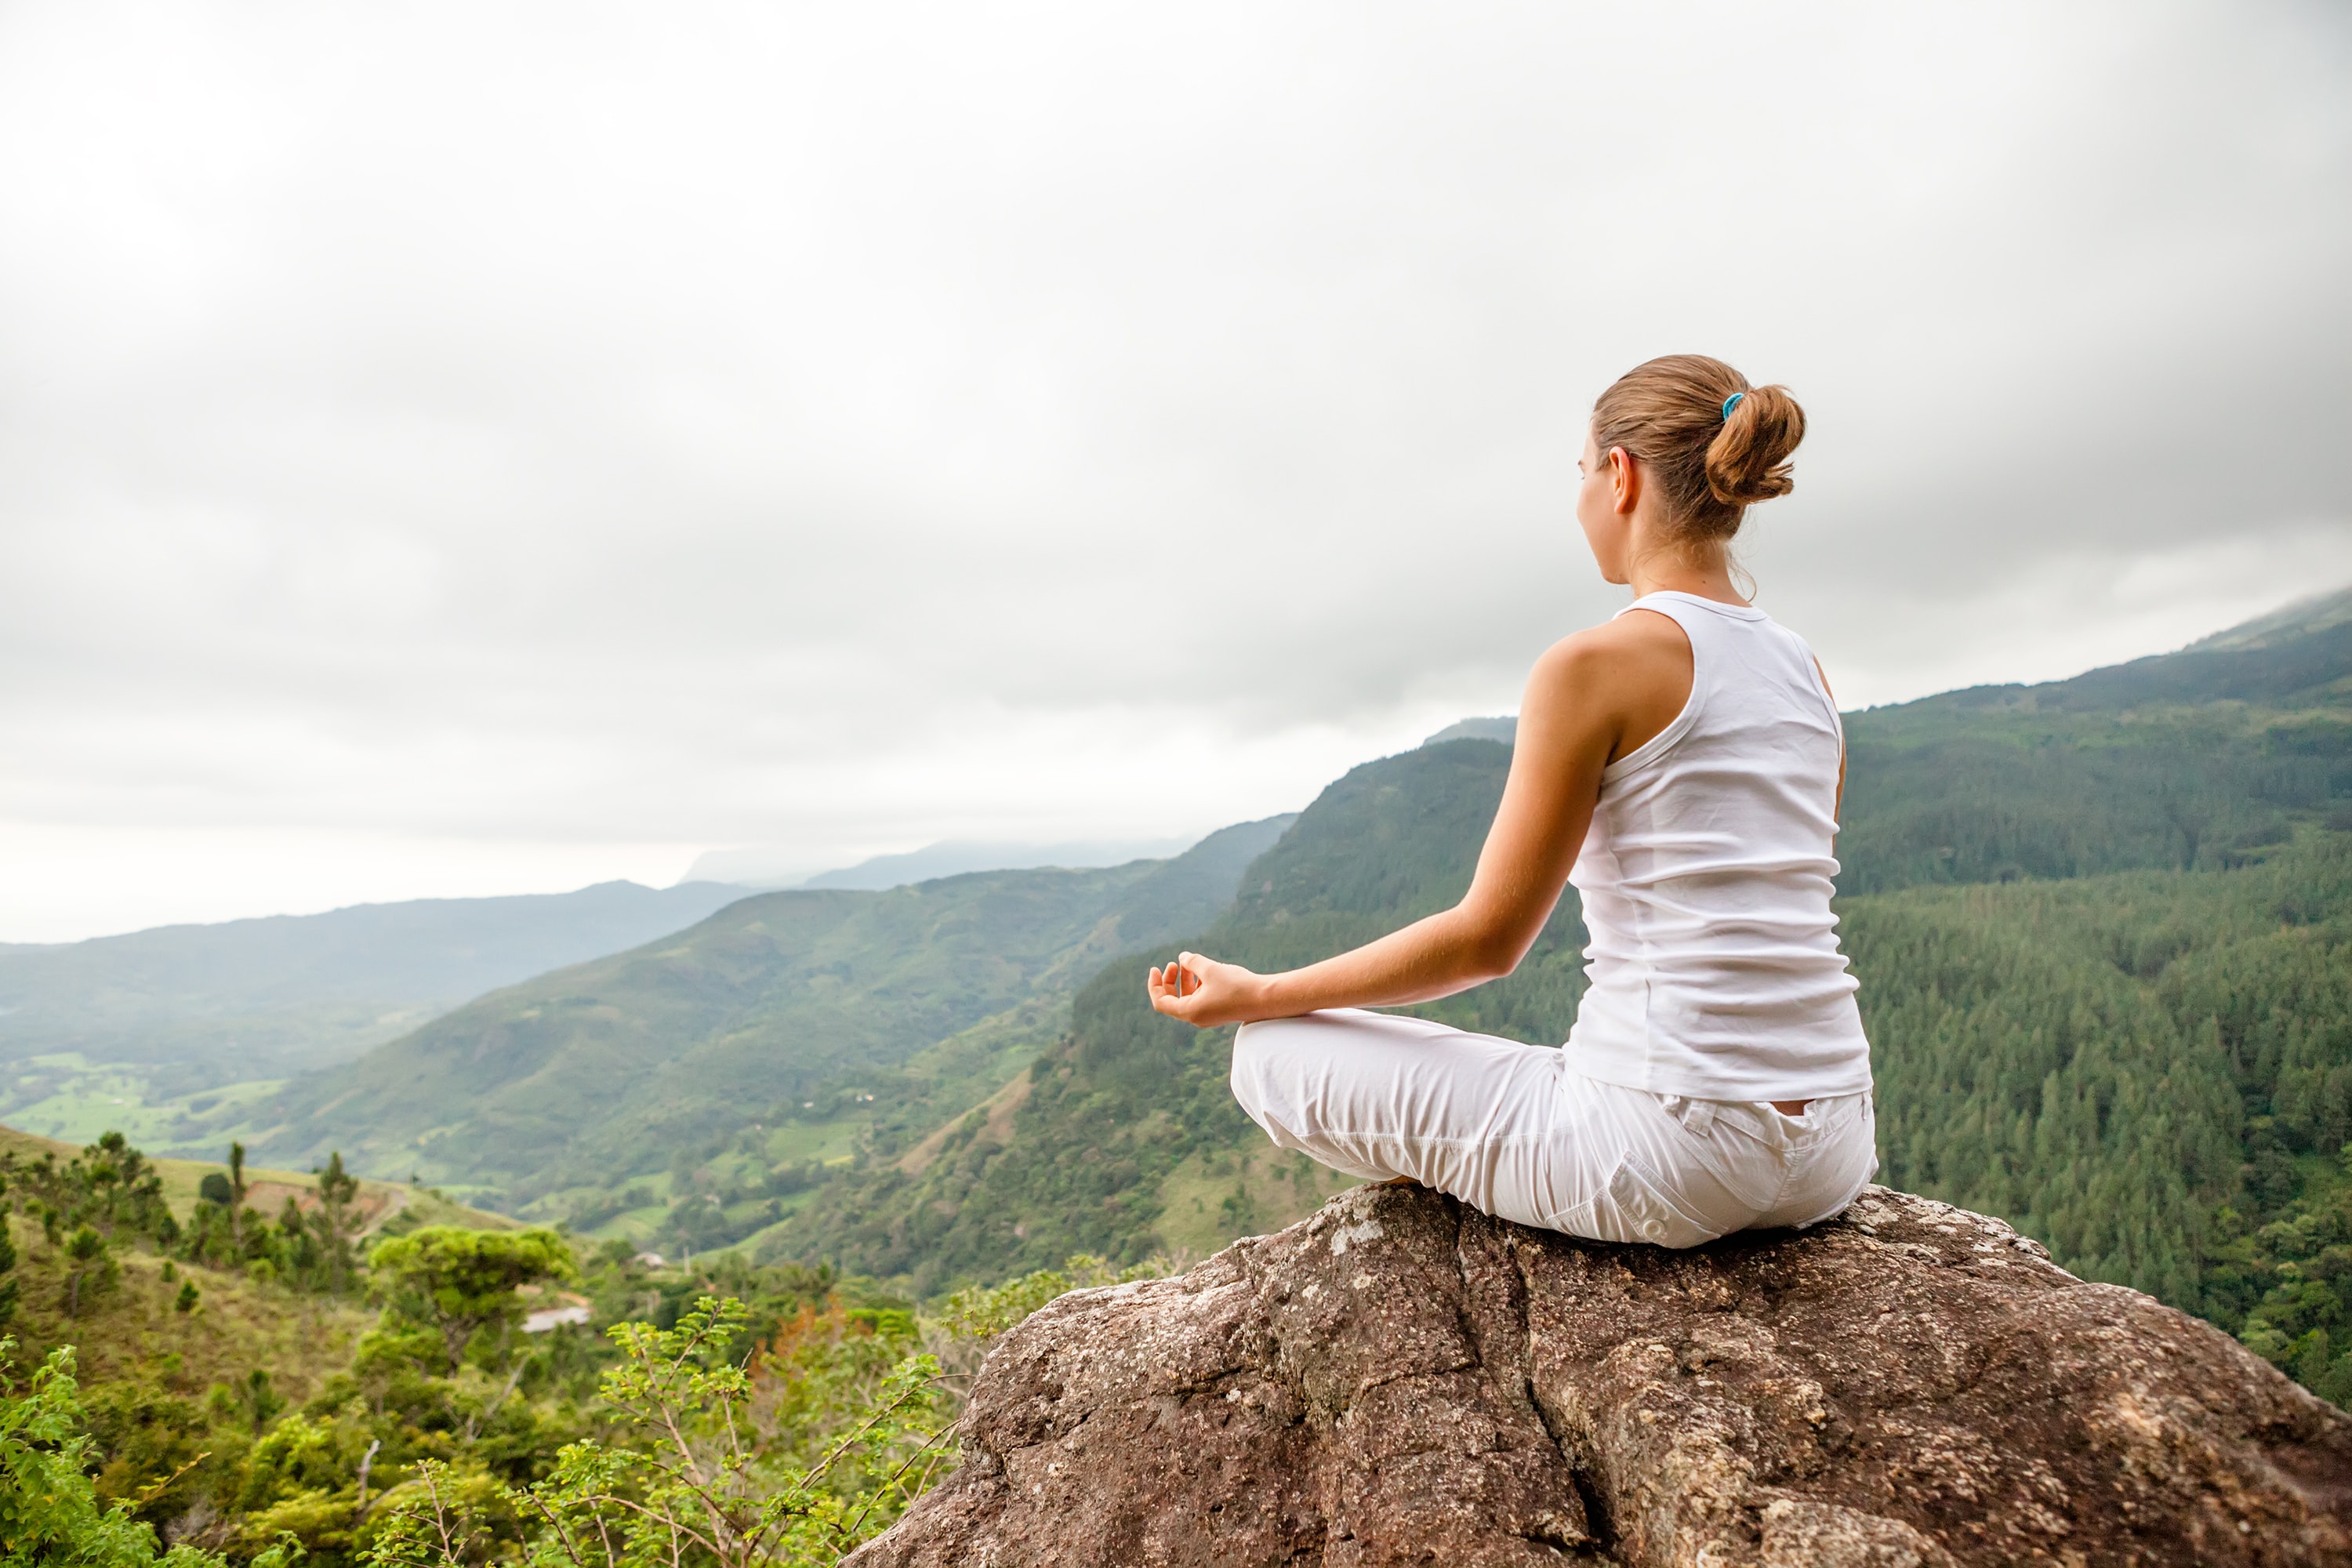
(1401, 1379)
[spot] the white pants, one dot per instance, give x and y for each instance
(1512, 1131)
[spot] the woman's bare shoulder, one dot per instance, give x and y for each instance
(1641, 642)
(1619, 682)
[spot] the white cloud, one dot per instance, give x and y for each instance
(574, 436)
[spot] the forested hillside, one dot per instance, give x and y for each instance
(2151, 1071)
(784, 1023)
(2102, 930)
(2188, 760)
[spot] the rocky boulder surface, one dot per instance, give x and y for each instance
(1402, 1380)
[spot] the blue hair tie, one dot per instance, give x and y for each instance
(1727, 402)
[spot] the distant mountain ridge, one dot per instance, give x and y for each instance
(2306, 667)
(954, 857)
(288, 992)
(769, 868)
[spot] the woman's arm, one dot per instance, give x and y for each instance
(1586, 696)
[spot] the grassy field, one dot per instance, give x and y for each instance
(379, 1202)
(64, 1094)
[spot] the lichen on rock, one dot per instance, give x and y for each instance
(1399, 1379)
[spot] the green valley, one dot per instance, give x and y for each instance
(700, 1079)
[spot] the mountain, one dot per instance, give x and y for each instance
(784, 1003)
(771, 866)
(197, 1007)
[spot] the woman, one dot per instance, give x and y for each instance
(1683, 766)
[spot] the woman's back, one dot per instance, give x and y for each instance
(1718, 1077)
(1707, 875)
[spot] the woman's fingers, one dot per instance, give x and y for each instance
(1200, 991)
(1167, 989)
(1194, 970)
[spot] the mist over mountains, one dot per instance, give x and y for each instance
(773, 866)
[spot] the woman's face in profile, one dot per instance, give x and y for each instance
(1605, 531)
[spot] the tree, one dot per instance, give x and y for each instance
(732, 1466)
(461, 1281)
(215, 1189)
(236, 1190)
(8, 1287)
(337, 1189)
(90, 1268)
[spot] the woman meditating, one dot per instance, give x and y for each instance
(1681, 765)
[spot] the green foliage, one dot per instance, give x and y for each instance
(791, 1458)
(110, 1187)
(49, 1510)
(248, 1466)
(791, 1454)
(461, 1282)
(2135, 1068)
(90, 1270)
(2301, 1263)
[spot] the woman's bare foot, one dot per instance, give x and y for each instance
(1398, 1181)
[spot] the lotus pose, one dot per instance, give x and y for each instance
(1682, 765)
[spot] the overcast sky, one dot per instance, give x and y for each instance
(466, 448)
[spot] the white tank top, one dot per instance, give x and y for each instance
(1706, 877)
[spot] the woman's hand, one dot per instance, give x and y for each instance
(1204, 993)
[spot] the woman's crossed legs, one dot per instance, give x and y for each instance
(1511, 1130)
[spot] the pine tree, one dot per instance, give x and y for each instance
(236, 1190)
(337, 1189)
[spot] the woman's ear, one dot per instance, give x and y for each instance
(1624, 481)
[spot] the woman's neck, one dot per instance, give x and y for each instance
(1703, 574)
